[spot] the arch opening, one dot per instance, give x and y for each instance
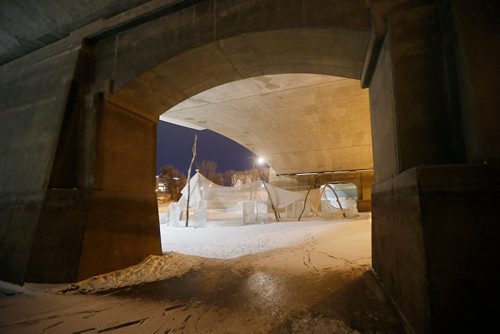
(282, 117)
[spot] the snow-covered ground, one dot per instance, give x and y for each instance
(320, 245)
(229, 241)
(235, 279)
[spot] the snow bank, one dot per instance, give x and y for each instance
(153, 268)
(9, 289)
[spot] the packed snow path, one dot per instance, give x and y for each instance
(319, 283)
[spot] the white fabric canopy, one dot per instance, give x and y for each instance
(208, 197)
(220, 197)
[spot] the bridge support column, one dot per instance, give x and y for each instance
(434, 199)
(114, 222)
(77, 172)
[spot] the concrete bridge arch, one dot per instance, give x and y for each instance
(113, 79)
(88, 123)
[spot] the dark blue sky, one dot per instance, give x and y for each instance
(175, 143)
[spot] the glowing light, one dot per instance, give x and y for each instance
(261, 161)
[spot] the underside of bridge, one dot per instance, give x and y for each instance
(82, 87)
(298, 122)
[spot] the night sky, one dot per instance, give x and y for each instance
(175, 143)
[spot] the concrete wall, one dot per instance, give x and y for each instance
(34, 95)
(410, 129)
(57, 179)
(433, 99)
(112, 223)
(473, 37)
(28, 25)
(385, 159)
(428, 228)
(123, 226)
(132, 53)
(59, 156)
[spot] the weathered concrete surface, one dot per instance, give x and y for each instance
(474, 39)
(113, 223)
(460, 202)
(297, 122)
(398, 247)
(57, 245)
(411, 120)
(60, 147)
(123, 226)
(50, 205)
(422, 128)
(29, 131)
(151, 75)
(382, 117)
(438, 223)
(260, 53)
(28, 25)
(427, 221)
(259, 26)
(420, 84)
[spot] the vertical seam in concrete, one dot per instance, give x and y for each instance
(115, 56)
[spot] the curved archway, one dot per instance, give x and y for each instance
(298, 50)
(152, 77)
(298, 122)
(156, 65)
(68, 150)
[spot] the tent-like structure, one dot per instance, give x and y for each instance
(248, 203)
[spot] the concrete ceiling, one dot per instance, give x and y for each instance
(28, 25)
(298, 122)
(31, 24)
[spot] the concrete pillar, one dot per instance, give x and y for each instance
(363, 180)
(433, 213)
(114, 222)
(77, 173)
(365, 200)
(34, 95)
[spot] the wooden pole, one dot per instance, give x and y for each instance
(305, 202)
(189, 179)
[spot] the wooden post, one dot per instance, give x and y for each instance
(189, 179)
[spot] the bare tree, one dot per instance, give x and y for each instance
(208, 168)
(174, 181)
(227, 178)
